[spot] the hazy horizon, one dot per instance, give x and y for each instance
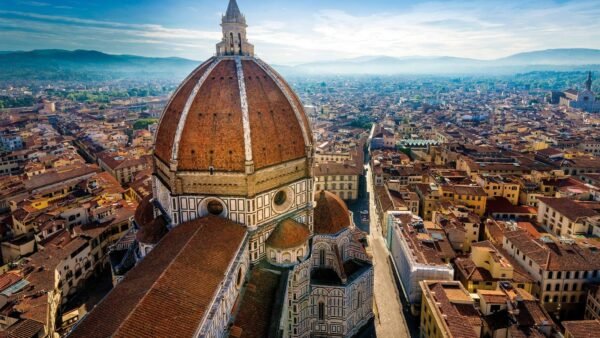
(293, 33)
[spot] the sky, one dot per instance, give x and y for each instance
(290, 32)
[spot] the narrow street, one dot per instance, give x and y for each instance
(389, 316)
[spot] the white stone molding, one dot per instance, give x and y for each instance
(186, 109)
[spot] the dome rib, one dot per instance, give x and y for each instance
(244, 104)
(188, 106)
(285, 89)
(168, 122)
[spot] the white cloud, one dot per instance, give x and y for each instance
(478, 29)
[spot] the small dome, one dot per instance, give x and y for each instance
(331, 214)
(151, 229)
(288, 234)
(144, 212)
(153, 232)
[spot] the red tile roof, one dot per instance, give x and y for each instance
(216, 110)
(168, 293)
(331, 214)
(582, 328)
(257, 308)
(288, 234)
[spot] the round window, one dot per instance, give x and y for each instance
(283, 200)
(215, 208)
(280, 198)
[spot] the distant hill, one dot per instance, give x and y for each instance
(574, 56)
(552, 59)
(82, 65)
(86, 65)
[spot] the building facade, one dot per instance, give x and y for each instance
(584, 99)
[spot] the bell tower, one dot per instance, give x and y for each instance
(588, 82)
(234, 41)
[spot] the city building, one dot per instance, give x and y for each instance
(449, 310)
(460, 225)
(123, 168)
(560, 267)
(499, 186)
(584, 99)
(340, 179)
(566, 217)
(592, 304)
(486, 267)
(417, 253)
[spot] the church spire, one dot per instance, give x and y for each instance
(234, 41)
(233, 13)
(588, 82)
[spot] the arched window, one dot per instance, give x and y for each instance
(322, 257)
(299, 254)
(287, 257)
(231, 40)
(240, 42)
(239, 279)
(321, 311)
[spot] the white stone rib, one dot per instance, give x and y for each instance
(289, 96)
(186, 109)
(245, 114)
(177, 92)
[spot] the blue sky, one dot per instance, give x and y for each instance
(297, 31)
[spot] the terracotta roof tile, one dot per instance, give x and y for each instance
(288, 234)
(275, 130)
(331, 214)
(257, 308)
(169, 291)
(582, 328)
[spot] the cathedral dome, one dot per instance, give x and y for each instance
(232, 112)
(234, 127)
(331, 214)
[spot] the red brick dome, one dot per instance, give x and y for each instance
(288, 234)
(151, 229)
(232, 111)
(331, 214)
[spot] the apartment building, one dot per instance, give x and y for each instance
(499, 186)
(418, 253)
(561, 268)
(566, 217)
(486, 267)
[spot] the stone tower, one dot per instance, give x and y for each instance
(234, 41)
